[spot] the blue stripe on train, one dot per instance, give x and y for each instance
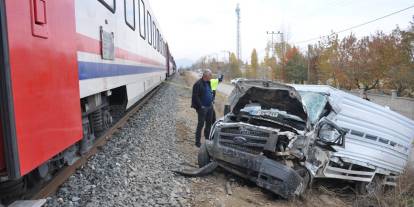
(89, 70)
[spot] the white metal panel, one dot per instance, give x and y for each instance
(137, 90)
(355, 113)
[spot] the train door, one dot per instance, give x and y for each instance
(7, 131)
(2, 161)
(40, 84)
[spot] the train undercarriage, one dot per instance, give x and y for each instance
(99, 112)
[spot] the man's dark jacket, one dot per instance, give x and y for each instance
(198, 90)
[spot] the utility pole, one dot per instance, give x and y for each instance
(273, 33)
(283, 51)
(238, 33)
(226, 66)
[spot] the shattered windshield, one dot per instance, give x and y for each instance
(314, 104)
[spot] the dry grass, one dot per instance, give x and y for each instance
(403, 194)
(189, 79)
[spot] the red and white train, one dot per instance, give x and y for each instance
(64, 63)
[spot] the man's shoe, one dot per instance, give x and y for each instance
(198, 145)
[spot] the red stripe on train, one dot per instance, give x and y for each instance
(90, 45)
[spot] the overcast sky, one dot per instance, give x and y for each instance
(195, 28)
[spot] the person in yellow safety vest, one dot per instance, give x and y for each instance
(214, 84)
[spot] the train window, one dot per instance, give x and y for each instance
(154, 35)
(149, 28)
(158, 40)
(141, 16)
(165, 49)
(162, 48)
(109, 4)
(130, 13)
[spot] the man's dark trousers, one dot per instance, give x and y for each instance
(205, 115)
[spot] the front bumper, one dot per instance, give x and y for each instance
(266, 173)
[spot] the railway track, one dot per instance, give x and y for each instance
(51, 187)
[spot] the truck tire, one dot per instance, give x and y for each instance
(203, 156)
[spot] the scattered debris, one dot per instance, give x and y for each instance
(228, 188)
(28, 203)
(197, 171)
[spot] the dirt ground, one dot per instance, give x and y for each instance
(210, 190)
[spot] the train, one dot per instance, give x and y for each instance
(64, 65)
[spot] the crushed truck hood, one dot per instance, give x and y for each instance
(269, 95)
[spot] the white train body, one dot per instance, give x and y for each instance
(136, 64)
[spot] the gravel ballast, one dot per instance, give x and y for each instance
(134, 167)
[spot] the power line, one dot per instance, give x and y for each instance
(356, 26)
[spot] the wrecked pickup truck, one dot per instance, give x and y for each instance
(282, 137)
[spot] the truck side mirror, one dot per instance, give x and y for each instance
(330, 133)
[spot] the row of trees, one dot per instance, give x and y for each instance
(380, 61)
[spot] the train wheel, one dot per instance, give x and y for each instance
(88, 137)
(97, 120)
(107, 119)
(42, 172)
(38, 176)
(11, 190)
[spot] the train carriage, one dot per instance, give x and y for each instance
(64, 64)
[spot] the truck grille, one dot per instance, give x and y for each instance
(247, 140)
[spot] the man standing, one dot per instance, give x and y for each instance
(202, 102)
